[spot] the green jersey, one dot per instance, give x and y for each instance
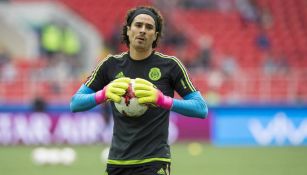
(143, 139)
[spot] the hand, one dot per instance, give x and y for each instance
(113, 91)
(145, 91)
(148, 94)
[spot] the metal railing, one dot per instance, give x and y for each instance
(240, 87)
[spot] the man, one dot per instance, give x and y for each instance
(139, 145)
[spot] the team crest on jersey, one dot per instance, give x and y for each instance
(154, 74)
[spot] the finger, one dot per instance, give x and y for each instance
(144, 100)
(142, 87)
(118, 91)
(114, 97)
(143, 81)
(122, 85)
(123, 79)
(142, 93)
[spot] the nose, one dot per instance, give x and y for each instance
(143, 29)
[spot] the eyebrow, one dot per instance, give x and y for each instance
(139, 22)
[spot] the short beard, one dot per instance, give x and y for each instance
(140, 48)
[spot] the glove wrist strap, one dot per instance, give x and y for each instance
(163, 101)
(100, 96)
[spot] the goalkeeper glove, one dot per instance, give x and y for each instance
(113, 91)
(148, 94)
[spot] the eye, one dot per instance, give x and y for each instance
(138, 25)
(149, 27)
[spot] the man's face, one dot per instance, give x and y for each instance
(142, 32)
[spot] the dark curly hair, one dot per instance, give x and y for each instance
(159, 25)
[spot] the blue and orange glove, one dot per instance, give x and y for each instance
(148, 94)
(113, 91)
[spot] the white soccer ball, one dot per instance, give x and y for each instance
(104, 154)
(53, 157)
(68, 156)
(39, 156)
(129, 105)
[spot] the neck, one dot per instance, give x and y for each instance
(139, 54)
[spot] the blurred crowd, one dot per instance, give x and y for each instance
(59, 59)
(60, 46)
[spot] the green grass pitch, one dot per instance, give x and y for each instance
(186, 160)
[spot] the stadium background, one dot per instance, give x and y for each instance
(247, 57)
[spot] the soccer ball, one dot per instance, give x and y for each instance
(39, 156)
(68, 156)
(129, 105)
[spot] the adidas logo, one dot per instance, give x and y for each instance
(120, 75)
(161, 171)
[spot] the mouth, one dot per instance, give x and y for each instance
(140, 38)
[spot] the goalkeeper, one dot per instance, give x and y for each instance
(139, 145)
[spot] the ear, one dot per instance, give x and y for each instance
(128, 30)
(156, 36)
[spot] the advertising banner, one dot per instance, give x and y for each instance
(263, 126)
(62, 127)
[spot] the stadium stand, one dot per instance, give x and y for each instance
(283, 37)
